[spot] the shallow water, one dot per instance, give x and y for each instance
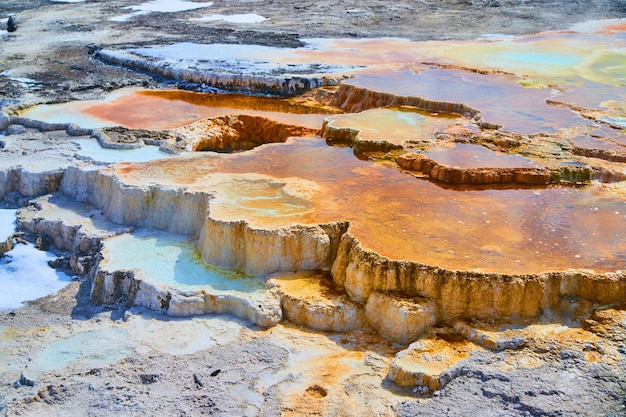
(233, 18)
(182, 336)
(161, 6)
(499, 99)
(591, 143)
(395, 125)
(91, 149)
(476, 156)
(172, 260)
(94, 348)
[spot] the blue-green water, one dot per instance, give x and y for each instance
(173, 260)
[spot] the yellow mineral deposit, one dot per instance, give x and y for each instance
(310, 299)
(428, 363)
(409, 125)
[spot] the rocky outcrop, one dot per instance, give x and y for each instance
(399, 318)
(64, 236)
(456, 175)
(429, 365)
(350, 137)
(235, 244)
(6, 246)
(28, 182)
(606, 154)
(124, 288)
(280, 85)
(352, 98)
(123, 138)
(11, 25)
(235, 133)
(71, 128)
(309, 299)
(469, 294)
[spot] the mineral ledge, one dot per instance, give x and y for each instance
(367, 203)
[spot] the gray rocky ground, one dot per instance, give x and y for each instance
(134, 362)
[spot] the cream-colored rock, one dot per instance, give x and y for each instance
(29, 183)
(125, 289)
(492, 340)
(429, 364)
(470, 294)
(261, 252)
(399, 318)
(152, 206)
(310, 300)
(265, 313)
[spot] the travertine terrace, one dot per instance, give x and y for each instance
(419, 219)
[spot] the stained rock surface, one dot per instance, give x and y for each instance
(463, 255)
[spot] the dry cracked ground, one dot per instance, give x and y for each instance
(62, 355)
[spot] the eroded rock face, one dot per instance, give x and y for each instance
(262, 252)
(458, 175)
(151, 206)
(235, 133)
(310, 300)
(353, 98)
(398, 318)
(29, 183)
(70, 227)
(429, 364)
(469, 294)
(283, 85)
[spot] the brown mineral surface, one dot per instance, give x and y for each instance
(508, 231)
(142, 109)
(474, 164)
